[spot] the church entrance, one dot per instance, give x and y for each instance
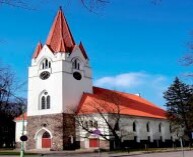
(43, 138)
(94, 142)
(46, 140)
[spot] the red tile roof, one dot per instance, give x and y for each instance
(60, 31)
(37, 50)
(108, 101)
(21, 117)
(60, 38)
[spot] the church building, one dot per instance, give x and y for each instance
(60, 81)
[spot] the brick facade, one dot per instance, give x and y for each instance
(61, 127)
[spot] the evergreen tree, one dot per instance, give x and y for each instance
(179, 105)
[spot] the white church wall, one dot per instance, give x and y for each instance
(18, 129)
(141, 128)
(65, 91)
(126, 129)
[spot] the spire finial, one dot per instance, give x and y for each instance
(60, 7)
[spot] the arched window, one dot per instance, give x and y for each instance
(76, 64)
(170, 128)
(96, 124)
(117, 126)
(45, 101)
(160, 127)
(134, 126)
(91, 123)
(45, 64)
(46, 135)
(86, 124)
(147, 126)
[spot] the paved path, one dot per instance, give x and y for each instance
(164, 154)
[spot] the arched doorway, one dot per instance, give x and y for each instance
(46, 140)
(43, 138)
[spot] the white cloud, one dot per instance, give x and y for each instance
(150, 86)
(122, 81)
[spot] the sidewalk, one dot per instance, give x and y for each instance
(112, 154)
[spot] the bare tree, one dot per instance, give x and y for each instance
(102, 116)
(91, 5)
(10, 104)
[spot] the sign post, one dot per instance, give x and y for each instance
(23, 137)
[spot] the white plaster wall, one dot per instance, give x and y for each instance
(65, 91)
(18, 129)
(141, 130)
(126, 128)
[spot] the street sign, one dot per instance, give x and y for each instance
(23, 138)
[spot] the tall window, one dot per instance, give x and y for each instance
(160, 127)
(76, 64)
(170, 128)
(45, 101)
(91, 123)
(134, 126)
(86, 124)
(45, 64)
(147, 126)
(96, 124)
(117, 126)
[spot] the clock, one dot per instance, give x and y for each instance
(77, 75)
(44, 75)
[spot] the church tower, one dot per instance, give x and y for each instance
(58, 76)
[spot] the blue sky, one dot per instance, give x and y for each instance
(133, 45)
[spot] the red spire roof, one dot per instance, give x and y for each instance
(37, 50)
(60, 37)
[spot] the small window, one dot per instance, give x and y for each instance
(160, 127)
(91, 123)
(134, 126)
(86, 125)
(170, 129)
(117, 126)
(45, 101)
(45, 64)
(96, 124)
(76, 64)
(147, 127)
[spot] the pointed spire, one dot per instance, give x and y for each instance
(83, 50)
(60, 31)
(61, 46)
(37, 50)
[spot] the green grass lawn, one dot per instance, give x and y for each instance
(14, 153)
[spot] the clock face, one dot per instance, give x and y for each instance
(44, 75)
(77, 75)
